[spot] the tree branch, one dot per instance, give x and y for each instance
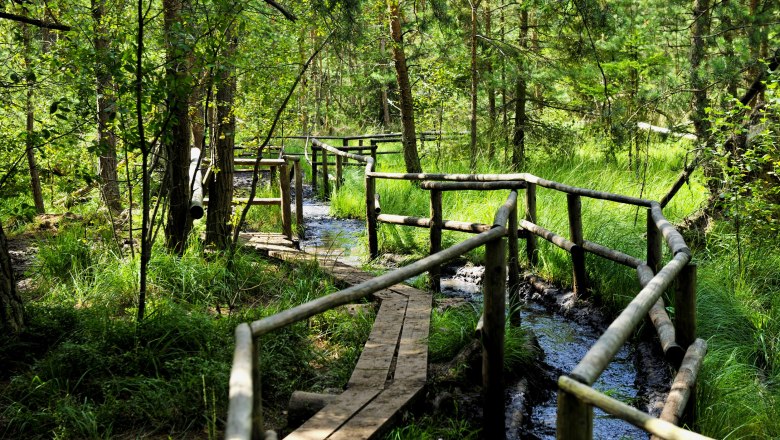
(289, 15)
(34, 22)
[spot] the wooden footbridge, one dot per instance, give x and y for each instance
(392, 369)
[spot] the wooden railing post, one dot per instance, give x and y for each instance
(574, 419)
(654, 244)
(325, 181)
(257, 393)
(338, 172)
(299, 199)
(284, 186)
(494, 405)
(685, 323)
(577, 252)
(373, 244)
(437, 220)
(314, 169)
(531, 248)
(374, 147)
(685, 306)
(514, 270)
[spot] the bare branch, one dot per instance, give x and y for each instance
(289, 15)
(34, 22)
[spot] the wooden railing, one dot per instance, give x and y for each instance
(282, 164)
(576, 397)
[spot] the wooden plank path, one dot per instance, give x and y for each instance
(393, 367)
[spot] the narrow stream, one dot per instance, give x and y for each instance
(563, 341)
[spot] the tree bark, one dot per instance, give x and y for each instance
(218, 229)
(11, 306)
(106, 139)
(35, 180)
(474, 79)
(699, 30)
(491, 89)
(518, 140)
(411, 159)
(385, 100)
(177, 142)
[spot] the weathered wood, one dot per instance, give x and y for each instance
(436, 224)
(411, 368)
(532, 248)
(603, 351)
(299, 199)
(448, 225)
(325, 177)
(239, 422)
(314, 168)
(530, 178)
(580, 275)
(334, 415)
(261, 201)
(250, 162)
(476, 186)
(196, 180)
(674, 239)
(575, 418)
(625, 412)
(376, 418)
(502, 215)
(284, 188)
(377, 205)
(682, 393)
(352, 294)
(513, 268)
(611, 254)
(553, 238)
(663, 325)
(371, 226)
(374, 364)
(339, 173)
(494, 284)
(685, 306)
(655, 252)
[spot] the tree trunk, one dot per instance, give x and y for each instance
(385, 100)
(106, 139)
(518, 141)
(491, 90)
(11, 307)
(474, 79)
(411, 159)
(699, 30)
(218, 229)
(35, 180)
(177, 143)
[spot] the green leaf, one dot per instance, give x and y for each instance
(53, 107)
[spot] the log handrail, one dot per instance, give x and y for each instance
(576, 397)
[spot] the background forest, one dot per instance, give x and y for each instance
(100, 102)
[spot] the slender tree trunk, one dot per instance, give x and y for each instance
(411, 159)
(491, 90)
(504, 110)
(177, 143)
(518, 141)
(385, 99)
(757, 41)
(106, 139)
(35, 180)
(699, 30)
(146, 245)
(474, 79)
(218, 230)
(11, 306)
(198, 111)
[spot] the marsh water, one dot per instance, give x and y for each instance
(563, 341)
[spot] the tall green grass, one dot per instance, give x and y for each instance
(739, 286)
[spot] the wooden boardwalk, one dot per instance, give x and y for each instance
(392, 369)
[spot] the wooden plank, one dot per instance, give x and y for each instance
(375, 361)
(412, 364)
(330, 418)
(373, 420)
